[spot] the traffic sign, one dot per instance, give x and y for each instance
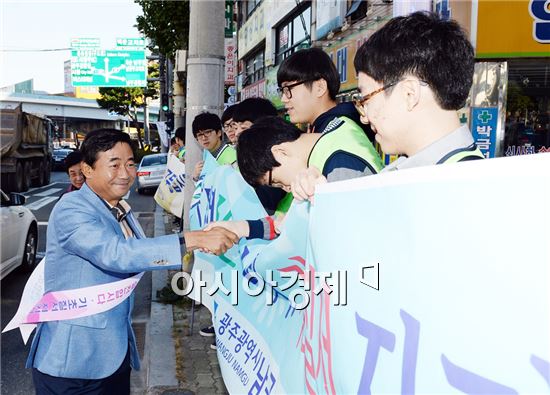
(108, 68)
(78, 43)
(130, 43)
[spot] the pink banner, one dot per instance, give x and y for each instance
(35, 306)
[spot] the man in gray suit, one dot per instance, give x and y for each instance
(93, 238)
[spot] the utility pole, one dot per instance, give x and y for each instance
(205, 62)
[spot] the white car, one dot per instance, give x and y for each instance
(19, 234)
(151, 171)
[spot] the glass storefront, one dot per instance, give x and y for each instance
(527, 127)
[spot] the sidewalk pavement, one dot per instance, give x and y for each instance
(175, 361)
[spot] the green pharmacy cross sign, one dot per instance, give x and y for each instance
(108, 68)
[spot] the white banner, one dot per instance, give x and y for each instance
(170, 193)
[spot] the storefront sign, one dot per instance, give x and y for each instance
(253, 31)
(513, 29)
(515, 150)
(484, 129)
(256, 89)
(229, 26)
(230, 52)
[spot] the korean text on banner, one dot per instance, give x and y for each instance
(170, 193)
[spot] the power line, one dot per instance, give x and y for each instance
(35, 50)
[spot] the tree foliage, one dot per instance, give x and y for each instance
(166, 24)
(517, 101)
(126, 101)
(122, 101)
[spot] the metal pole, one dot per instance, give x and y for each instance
(178, 96)
(205, 64)
(146, 132)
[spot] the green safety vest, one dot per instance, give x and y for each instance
(462, 155)
(181, 153)
(284, 204)
(341, 134)
(227, 155)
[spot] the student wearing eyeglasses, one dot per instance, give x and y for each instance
(308, 84)
(414, 74)
(207, 129)
(340, 149)
(273, 151)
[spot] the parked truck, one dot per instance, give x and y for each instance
(25, 149)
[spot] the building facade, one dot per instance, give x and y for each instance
(508, 109)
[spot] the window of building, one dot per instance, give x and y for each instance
(254, 67)
(527, 129)
(245, 9)
(251, 6)
(294, 33)
(357, 10)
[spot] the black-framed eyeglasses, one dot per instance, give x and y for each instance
(270, 177)
(287, 89)
(204, 133)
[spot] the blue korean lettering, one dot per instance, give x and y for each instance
(378, 337)
(410, 352)
(542, 366)
(541, 25)
(471, 383)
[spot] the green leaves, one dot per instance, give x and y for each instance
(166, 24)
(122, 101)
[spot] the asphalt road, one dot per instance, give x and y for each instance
(15, 379)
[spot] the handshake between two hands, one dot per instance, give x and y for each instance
(218, 237)
(216, 240)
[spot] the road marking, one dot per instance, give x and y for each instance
(42, 223)
(26, 194)
(41, 202)
(48, 192)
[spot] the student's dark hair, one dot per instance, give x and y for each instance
(254, 155)
(101, 140)
(421, 44)
(72, 159)
(205, 121)
(310, 65)
(172, 140)
(228, 113)
(252, 109)
(180, 133)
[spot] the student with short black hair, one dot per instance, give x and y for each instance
(228, 124)
(308, 83)
(207, 129)
(414, 74)
(179, 137)
(272, 152)
(247, 112)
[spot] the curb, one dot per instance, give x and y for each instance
(160, 346)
